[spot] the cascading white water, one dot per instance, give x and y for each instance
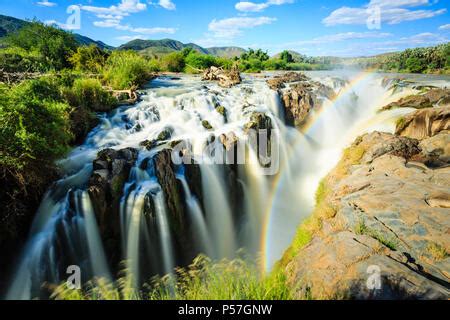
(276, 203)
(203, 238)
(218, 212)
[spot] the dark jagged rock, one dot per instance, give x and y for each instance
(177, 212)
(165, 174)
(299, 95)
(111, 171)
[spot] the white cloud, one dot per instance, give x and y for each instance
(108, 23)
(152, 30)
(392, 12)
(338, 37)
(46, 3)
(445, 27)
(112, 16)
(167, 4)
(247, 6)
(62, 25)
(117, 25)
(124, 8)
(232, 27)
(250, 6)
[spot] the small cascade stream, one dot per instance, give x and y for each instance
(254, 211)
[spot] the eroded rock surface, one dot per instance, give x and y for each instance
(382, 226)
(424, 123)
(433, 97)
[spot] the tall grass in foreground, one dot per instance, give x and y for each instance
(204, 279)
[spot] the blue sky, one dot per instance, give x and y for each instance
(313, 27)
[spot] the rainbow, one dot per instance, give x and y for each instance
(268, 215)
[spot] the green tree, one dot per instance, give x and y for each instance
(88, 58)
(286, 56)
(53, 45)
(126, 69)
(173, 62)
(415, 65)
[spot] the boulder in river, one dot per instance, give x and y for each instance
(299, 95)
(226, 79)
(163, 136)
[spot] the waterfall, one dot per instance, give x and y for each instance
(200, 229)
(66, 231)
(218, 212)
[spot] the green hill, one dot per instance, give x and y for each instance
(157, 45)
(154, 48)
(9, 25)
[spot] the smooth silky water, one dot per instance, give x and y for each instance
(65, 231)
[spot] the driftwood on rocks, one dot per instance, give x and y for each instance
(15, 77)
(226, 79)
(131, 96)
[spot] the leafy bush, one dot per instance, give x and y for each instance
(173, 62)
(195, 60)
(415, 65)
(126, 69)
(286, 56)
(15, 59)
(275, 64)
(154, 65)
(52, 45)
(89, 93)
(88, 59)
(34, 124)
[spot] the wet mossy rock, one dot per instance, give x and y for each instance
(222, 111)
(207, 125)
(163, 137)
(258, 121)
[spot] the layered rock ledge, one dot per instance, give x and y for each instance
(382, 221)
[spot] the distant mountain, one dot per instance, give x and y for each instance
(88, 41)
(226, 52)
(9, 25)
(160, 47)
(170, 45)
